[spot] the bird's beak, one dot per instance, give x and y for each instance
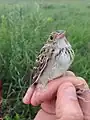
(60, 35)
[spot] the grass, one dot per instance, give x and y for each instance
(24, 28)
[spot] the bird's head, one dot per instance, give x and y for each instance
(59, 37)
(59, 34)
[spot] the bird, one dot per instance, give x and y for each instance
(54, 59)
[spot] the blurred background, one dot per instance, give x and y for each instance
(24, 27)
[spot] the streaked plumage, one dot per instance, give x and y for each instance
(54, 59)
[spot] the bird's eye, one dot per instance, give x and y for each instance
(51, 37)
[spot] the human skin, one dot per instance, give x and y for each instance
(60, 100)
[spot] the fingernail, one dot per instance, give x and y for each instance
(26, 100)
(28, 95)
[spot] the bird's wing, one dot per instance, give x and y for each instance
(42, 62)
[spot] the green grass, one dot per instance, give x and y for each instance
(24, 28)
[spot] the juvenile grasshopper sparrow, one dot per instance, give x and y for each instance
(54, 59)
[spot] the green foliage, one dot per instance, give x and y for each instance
(16, 117)
(24, 28)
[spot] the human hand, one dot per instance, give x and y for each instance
(61, 101)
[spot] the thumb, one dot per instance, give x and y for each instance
(67, 106)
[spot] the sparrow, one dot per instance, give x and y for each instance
(54, 59)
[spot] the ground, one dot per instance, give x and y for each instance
(24, 28)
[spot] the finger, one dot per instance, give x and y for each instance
(49, 106)
(41, 95)
(42, 115)
(84, 83)
(84, 100)
(67, 106)
(46, 94)
(30, 90)
(28, 95)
